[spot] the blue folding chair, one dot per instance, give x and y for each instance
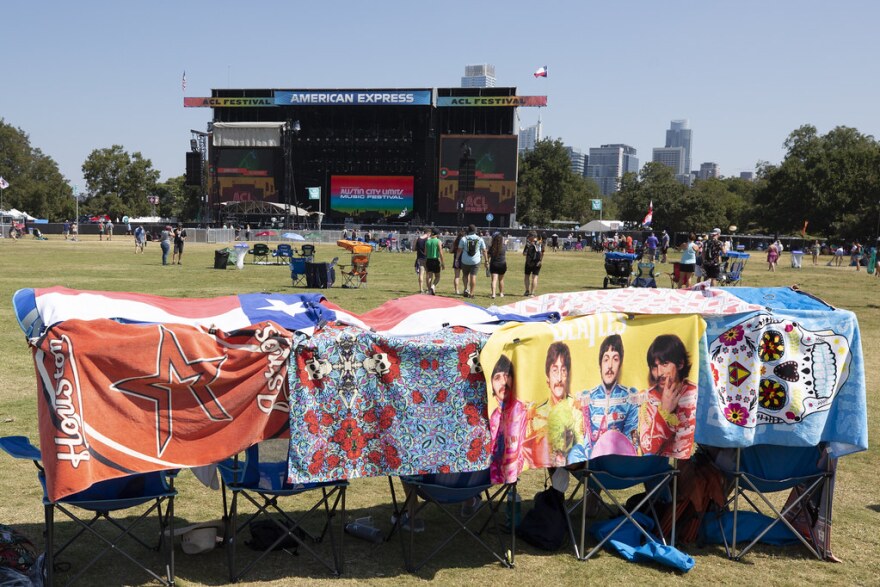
(298, 270)
(259, 476)
(764, 469)
(644, 275)
(282, 253)
(445, 491)
(610, 473)
(102, 500)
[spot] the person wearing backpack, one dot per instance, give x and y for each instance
(472, 254)
(712, 257)
(534, 254)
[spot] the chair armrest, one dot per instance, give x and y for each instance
(20, 448)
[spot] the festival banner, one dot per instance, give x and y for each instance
(238, 102)
(116, 399)
(495, 163)
(595, 385)
(385, 194)
(505, 101)
(354, 98)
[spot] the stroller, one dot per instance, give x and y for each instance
(618, 269)
(733, 268)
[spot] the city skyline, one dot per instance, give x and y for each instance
(78, 77)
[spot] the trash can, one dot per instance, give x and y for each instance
(221, 258)
(241, 250)
(796, 258)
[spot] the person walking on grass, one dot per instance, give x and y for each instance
(433, 261)
(420, 260)
(165, 243)
(497, 264)
(179, 240)
(534, 254)
(456, 262)
(473, 250)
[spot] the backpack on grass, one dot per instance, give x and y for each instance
(544, 525)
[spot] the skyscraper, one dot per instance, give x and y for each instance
(672, 157)
(708, 170)
(529, 137)
(577, 160)
(607, 164)
(679, 135)
(478, 76)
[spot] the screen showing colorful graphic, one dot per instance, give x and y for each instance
(495, 162)
(385, 194)
(248, 174)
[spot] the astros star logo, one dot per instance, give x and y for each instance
(175, 374)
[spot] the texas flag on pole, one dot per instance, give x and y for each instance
(3, 184)
(650, 215)
(542, 72)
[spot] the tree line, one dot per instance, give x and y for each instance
(829, 184)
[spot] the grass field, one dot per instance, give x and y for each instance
(113, 266)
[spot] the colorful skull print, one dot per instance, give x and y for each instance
(317, 368)
(768, 370)
(378, 364)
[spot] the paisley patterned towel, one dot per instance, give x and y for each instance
(364, 405)
(783, 377)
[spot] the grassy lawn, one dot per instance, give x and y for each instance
(114, 266)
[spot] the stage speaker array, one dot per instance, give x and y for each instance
(193, 168)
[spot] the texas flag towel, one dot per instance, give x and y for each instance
(542, 72)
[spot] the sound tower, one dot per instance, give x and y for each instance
(193, 168)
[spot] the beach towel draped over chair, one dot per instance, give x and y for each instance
(105, 503)
(448, 492)
(806, 472)
(259, 477)
(608, 474)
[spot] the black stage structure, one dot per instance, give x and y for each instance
(444, 156)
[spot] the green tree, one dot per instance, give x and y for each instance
(128, 177)
(831, 181)
(36, 185)
(549, 190)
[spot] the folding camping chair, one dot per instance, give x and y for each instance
(298, 270)
(260, 252)
(282, 253)
(736, 263)
(307, 252)
(103, 500)
(763, 469)
(260, 477)
(610, 473)
(645, 275)
(447, 492)
(354, 275)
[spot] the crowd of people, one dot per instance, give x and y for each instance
(469, 252)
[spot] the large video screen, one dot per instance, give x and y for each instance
(248, 174)
(385, 194)
(495, 162)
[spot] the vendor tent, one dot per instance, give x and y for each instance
(602, 225)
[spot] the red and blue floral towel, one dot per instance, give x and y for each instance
(365, 405)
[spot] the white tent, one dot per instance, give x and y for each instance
(602, 225)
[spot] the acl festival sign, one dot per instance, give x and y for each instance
(385, 194)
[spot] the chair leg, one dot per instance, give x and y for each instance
(49, 513)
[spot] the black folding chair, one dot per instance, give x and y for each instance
(260, 252)
(608, 474)
(447, 492)
(259, 477)
(103, 501)
(763, 469)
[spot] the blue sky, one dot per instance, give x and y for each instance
(78, 76)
